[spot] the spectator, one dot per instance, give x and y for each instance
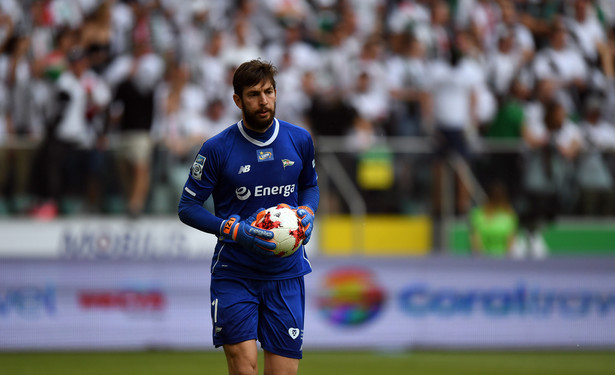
(369, 16)
(122, 22)
(293, 50)
(218, 116)
(405, 14)
(504, 64)
(436, 35)
(454, 88)
(511, 23)
(408, 88)
(98, 98)
(152, 26)
(371, 103)
(593, 174)
(508, 125)
(54, 63)
(287, 12)
(7, 26)
(535, 134)
(210, 69)
(290, 81)
(42, 31)
(16, 74)
(243, 44)
(607, 9)
(587, 34)
(547, 177)
(4, 155)
(539, 18)
(195, 29)
(493, 225)
(486, 104)
(96, 36)
(485, 16)
(332, 115)
(66, 13)
(66, 151)
(132, 119)
(341, 46)
(370, 60)
(179, 126)
(16, 77)
(564, 66)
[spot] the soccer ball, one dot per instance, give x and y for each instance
(286, 226)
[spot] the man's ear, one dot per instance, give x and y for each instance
(237, 101)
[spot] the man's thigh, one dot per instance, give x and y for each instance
(242, 357)
(279, 365)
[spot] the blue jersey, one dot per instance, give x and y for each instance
(244, 171)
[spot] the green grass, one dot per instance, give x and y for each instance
(314, 363)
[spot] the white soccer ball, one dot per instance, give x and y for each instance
(288, 234)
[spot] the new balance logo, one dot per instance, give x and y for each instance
(244, 169)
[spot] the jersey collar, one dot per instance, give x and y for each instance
(255, 141)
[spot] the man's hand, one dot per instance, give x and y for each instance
(307, 221)
(248, 236)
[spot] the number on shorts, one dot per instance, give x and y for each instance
(215, 305)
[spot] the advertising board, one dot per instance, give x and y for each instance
(462, 303)
(351, 303)
(104, 238)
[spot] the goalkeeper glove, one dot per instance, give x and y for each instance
(307, 221)
(248, 236)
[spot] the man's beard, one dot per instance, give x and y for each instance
(254, 122)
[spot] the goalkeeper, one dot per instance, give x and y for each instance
(256, 163)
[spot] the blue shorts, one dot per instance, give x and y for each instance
(270, 311)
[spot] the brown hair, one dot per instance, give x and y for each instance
(251, 73)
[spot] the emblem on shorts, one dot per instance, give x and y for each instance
(197, 167)
(293, 332)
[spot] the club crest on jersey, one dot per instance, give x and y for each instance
(287, 163)
(197, 167)
(265, 154)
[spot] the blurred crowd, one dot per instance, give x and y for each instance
(103, 103)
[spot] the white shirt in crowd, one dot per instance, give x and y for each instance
(534, 114)
(452, 89)
(73, 126)
(187, 121)
(534, 123)
(568, 135)
(600, 135)
(370, 99)
(503, 67)
(562, 66)
(587, 35)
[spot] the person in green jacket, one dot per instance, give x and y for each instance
(493, 225)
